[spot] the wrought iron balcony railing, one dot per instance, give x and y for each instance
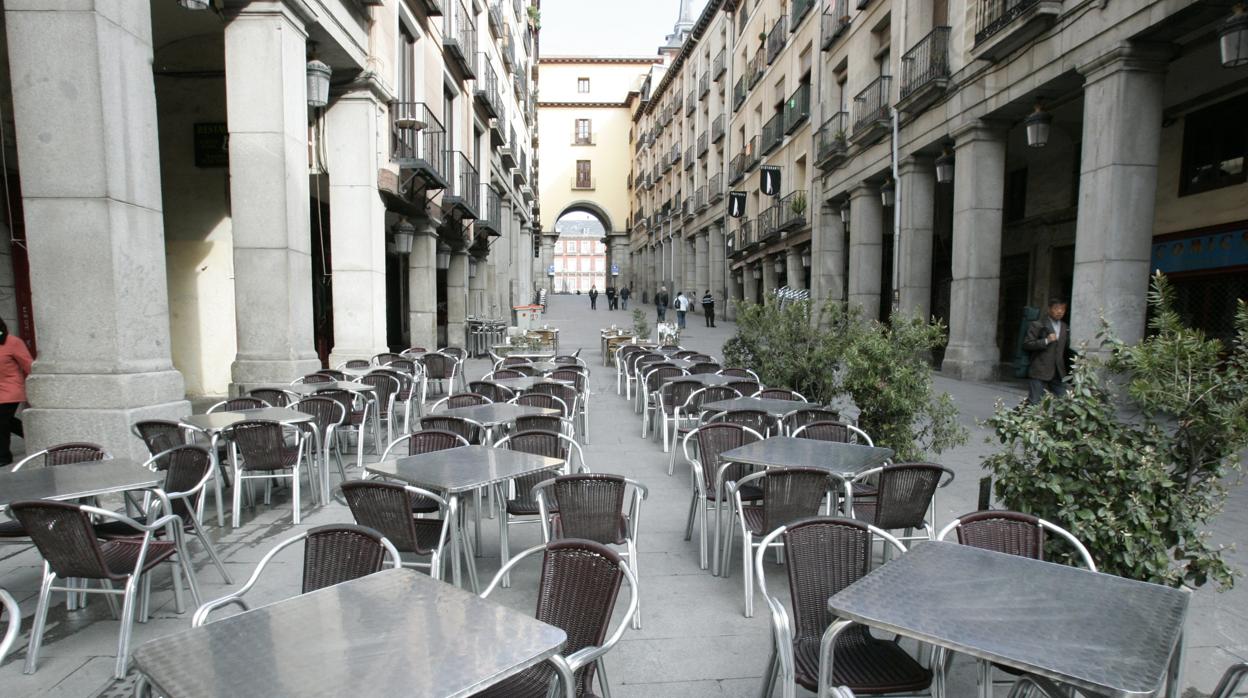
(736, 168)
(493, 220)
(704, 85)
(464, 191)
(459, 37)
(926, 62)
(720, 64)
(773, 132)
(738, 93)
(792, 211)
(800, 8)
(776, 38)
(699, 198)
(871, 105)
(486, 89)
(797, 109)
(715, 190)
(757, 66)
(832, 141)
(717, 129)
(991, 16)
(690, 160)
(496, 17)
(750, 150)
(418, 142)
(702, 144)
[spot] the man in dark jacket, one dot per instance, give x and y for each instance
(708, 308)
(593, 297)
(624, 294)
(611, 298)
(660, 303)
(1046, 341)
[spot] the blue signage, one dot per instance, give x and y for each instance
(550, 270)
(615, 270)
(1201, 252)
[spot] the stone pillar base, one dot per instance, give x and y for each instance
(969, 364)
(249, 373)
(337, 356)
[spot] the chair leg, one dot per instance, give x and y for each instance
(725, 555)
(40, 621)
(671, 461)
(145, 597)
(470, 562)
(208, 546)
(633, 560)
(693, 503)
(111, 599)
(237, 493)
(602, 677)
(127, 625)
(665, 423)
(294, 494)
(504, 549)
(179, 604)
(747, 573)
(769, 679)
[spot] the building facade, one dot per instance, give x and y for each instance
(580, 262)
(195, 209)
(964, 159)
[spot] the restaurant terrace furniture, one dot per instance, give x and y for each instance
(739, 373)
(580, 582)
(61, 454)
(544, 400)
(776, 407)
(1097, 633)
(65, 536)
(824, 556)
(570, 397)
(543, 422)
(689, 415)
(837, 432)
(355, 363)
(356, 412)
(268, 449)
(408, 393)
(273, 397)
(578, 378)
(669, 396)
(457, 400)
(504, 374)
(441, 369)
(427, 441)
(334, 374)
(316, 378)
(905, 497)
(781, 394)
(387, 389)
(789, 494)
(702, 367)
(386, 358)
(757, 420)
(158, 435)
(470, 431)
(648, 388)
(328, 416)
(802, 416)
(710, 440)
(9, 605)
(591, 506)
(387, 508)
(237, 404)
(1227, 687)
(494, 391)
(745, 386)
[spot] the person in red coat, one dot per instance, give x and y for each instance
(14, 367)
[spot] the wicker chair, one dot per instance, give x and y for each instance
(328, 416)
(333, 373)
(740, 373)
(9, 605)
(635, 366)
(386, 358)
(526, 370)
(580, 582)
(273, 396)
(515, 361)
(701, 358)
(758, 420)
(520, 505)
(648, 391)
(711, 440)
(591, 507)
(780, 394)
(836, 432)
(668, 398)
(502, 374)
(386, 507)
(239, 403)
(545, 401)
(824, 556)
(684, 354)
(569, 396)
(425, 441)
(802, 416)
(459, 354)
(65, 536)
(689, 415)
(746, 386)
(356, 413)
(458, 400)
(905, 494)
(543, 422)
(703, 367)
(1012, 533)
(408, 394)
(313, 378)
(158, 435)
(468, 430)
(441, 369)
(332, 554)
(493, 391)
(265, 455)
(63, 454)
(355, 364)
(570, 360)
(386, 391)
(580, 382)
(622, 355)
(789, 494)
(416, 351)
(1227, 687)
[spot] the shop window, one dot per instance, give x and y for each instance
(1214, 145)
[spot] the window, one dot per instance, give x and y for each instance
(585, 249)
(582, 85)
(583, 135)
(407, 65)
(1015, 195)
(583, 179)
(1214, 145)
(559, 247)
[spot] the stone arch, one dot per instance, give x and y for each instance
(593, 209)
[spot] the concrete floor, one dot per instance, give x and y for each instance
(695, 640)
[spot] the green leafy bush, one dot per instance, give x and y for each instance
(641, 327)
(1133, 459)
(882, 367)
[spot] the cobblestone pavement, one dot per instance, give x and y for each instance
(695, 640)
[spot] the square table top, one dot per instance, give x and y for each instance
(462, 469)
(496, 413)
(1097, 632)
(703, 378)
(310, 389)
(526, 382)
(217, 421)
(396, 632)
(76, 480)
(775, 408)
(525, 354)
(846, 460)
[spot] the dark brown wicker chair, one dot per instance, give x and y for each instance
(265, 455)
(424, 441)
(570, 397)
(328, 416)
(493, 391)
(580, 582)
(543, 400)
(543, 422)
(824, 556)
(504, 374)
(802, 416)
(332, 554)
(579, 378)
(569, 360)
(273, 396)
(739, 373)
(781, 394)
(440, 369)
(636, 367)
(1012, 533)
(314, 378)
(458, 353)
(689, 415)
(334, 374)
(355, 364)
(239, 403)
(667, 399)
(159, 435)
(458, 400)
(386, 394)
(415, 350)
(386, 507)
(703, 367)
(386, 358)
(11, 530)
(648, 388)
(356, 413)
(65, 536)
(684, 354)
(470, 431)
(524, 370)
(904, 495)
(789, 494)
(622, 356)
(408, 394)
(746, 387)
(758, 420)
(591, 506)
(710, 440)
(516, 361)
(8, 604)
(836, 432)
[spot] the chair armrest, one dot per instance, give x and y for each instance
(201, 614)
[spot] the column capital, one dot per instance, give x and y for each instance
(703, 233)
(369, 86)
(1133, 56)
(299, 12)
(917, 164)
(864, 188)
(979, 130)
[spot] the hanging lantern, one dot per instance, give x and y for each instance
(444, 256)
(318, 84)
(757, 273)
(1233, 38)
(806, 260)
(779, 265)
(404, 236)
(1038, 127)
(944, 168)
(194, 4)
(472, 267)
(845, 214)
(888, 193)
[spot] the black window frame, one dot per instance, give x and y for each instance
(1207, 130)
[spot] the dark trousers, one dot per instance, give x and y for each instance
(662, 311)
(9, 424)
(593, 303)
(709, 311)
(1036, 388)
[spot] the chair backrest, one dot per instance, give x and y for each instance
(387, 387)
(273, 396)
(757, 420)
(407, 366)
(386, 507)
(65, 537)
(405, 381)
(516, 361)
(493, 391)
(338, 553)
(781, 394)
(905, 492)
(325, 411)
(739, 373)
(714, 439)
(569, 360)
(539, 443)
(539, 422)
(333, 373)
(464, 400)
(643, 360)
(438, 366)
(590, 505)
(427, 441)
(836, 432)
(316, 378)
(684, 354)
(355, 364)
(63, 454)
(576, 378)
(790, 494)
(469, 430)
(186, 468)
(654, 374)
(746, 387)
(676, 393)
(700, 358)
(262, 443)
(545, 401)
(239, 403)
(566, 393)
(580, 583)
(343, 397)
(824, 556)
(386, 358)
(158, 435)
(458, 353)
(703, 367)
(504, 373)
(1012, 533)
(711, 393)
(524, 369)
(415, 350)
(806, 415)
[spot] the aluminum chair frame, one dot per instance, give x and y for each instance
(700, 502)
(409, 383)
(692, 404)
(1227, 686)
(447, 512)
(486, 401)
(928, 525)
(850, 428)
(445, 383)
(228, 405)
(366, 411)
(239, 468)
(15, 622)
(328, 442)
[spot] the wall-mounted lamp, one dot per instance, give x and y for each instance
(806, 260)
(779, 265)
(404, 236)
(472, 267)
(318, 84)
(845, 214)
(1037, 124)
(944, 167)
(757, 273)
(1233, 38)
(888, 193)
(195, 4)
(444, 256)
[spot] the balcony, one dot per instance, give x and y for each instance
(675, 153)
(498, 133)
(831, 144)
(773, 133)
(520, 175)
(690, 160)
(485, 89)
(459, 39)
(508, 49)
(741, 239)
(715, 190)
(717, 129)
(492, 223)
(699, 197)
(691, 103)
(433, 8)
(797, 109)
(800, 10)
(463, 196)
(720, 64)
(750, 150)
(738, 94)
(584, 138)
(418, 145)
(776, 38)
(1003, 26)
(507, 153)
(687, 207)
(657, 172)
(835, 21)
(768, 224)
(736, 168)
(704, 86)
(497, 27)
(756, 67)
(666, 162)
(871, 117)
(703, 144)
(925, 72)
(583, 182)
(792, 211)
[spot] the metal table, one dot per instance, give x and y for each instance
(465, 469)
(311, 389)
(703, 378)
(775, 408)
(535, 354)
(526, 382)
(1108, 635)
(397, 632)
(77, 481)
(497, 413)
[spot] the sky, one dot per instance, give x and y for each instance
(608, 27)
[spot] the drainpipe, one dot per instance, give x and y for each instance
(897, 193)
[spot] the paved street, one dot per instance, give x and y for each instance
(695, 641)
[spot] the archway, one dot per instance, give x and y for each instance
(580, 256)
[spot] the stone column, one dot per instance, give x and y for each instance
(509, 290)
(866, 249)
(1117, 187)
(794, 270)
(266, 97)
(457, 298)
(702, 265)
(528, 284)
(749, 284)
(734, 294)
(548, 258)
(422, 285)
(85, 104)
(828, 255)
(716, 268)
(476, 287)
(978, 195)
(358, 228)
(918, 200)
(771, 280)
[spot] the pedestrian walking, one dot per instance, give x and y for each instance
(624, 294)
(611, 298)
(660, 303)
(682, 307)
(708, 308)
(593, 297)
(1046, 340)
(14, 367)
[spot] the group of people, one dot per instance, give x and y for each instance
(615, 301)
(683, 305)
